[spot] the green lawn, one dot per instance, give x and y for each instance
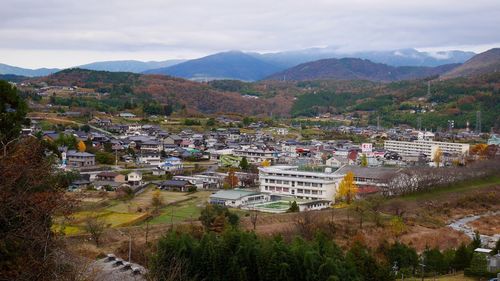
(459, 187)
(183, 211)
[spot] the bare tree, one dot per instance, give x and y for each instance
(253, 218)
(95, 226)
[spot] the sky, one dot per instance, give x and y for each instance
(65, 33)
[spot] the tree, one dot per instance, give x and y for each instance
(104, 158)
(438, 155)
(347, 188)
(30, 197)
(397, 226)
(462, 258)
(478, 265)
(253, 218)
(216, 217)
(361, 207)
(293, 207)
(265, 163)
(156, 201)
(13, 111)
(95, 225)
(364, 160)
(244, 164)
(81, 146)
(231, 179)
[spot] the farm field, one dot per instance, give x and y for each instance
(118, 213)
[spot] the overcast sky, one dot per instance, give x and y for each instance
(63, 33)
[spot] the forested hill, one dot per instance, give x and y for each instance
(165, 90)
(357, 69)
(396, 103)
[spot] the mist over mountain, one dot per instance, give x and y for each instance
(403, 57)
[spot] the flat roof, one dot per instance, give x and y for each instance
(233, 194)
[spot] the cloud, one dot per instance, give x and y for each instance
(161, 29)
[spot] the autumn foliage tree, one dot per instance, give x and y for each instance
(347, 188)
(231, 180)
(30, 196)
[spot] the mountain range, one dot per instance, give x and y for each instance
(227, 65)
(133, 66)
(357, 69)
(256, 66)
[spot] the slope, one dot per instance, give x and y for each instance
(482, 63)
(356, 69)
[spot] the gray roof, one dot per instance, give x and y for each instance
(368, 172)
(233, 194)
(80, 154)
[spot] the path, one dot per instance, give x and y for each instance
(462, 225)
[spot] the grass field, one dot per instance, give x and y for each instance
(183, 211)
(456, 188)
(118, 213)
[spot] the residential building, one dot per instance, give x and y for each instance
(110, 176)
(427, 148)
(171, 164)
(134, 178)
(75, 159)
(257, 155)
(149, 158)
(176, 185)
(289, 181)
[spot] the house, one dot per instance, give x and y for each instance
(171, 164)
(110, 176)
(75, 159)
(134, 178)
(238, 197)
(149, 158)
(338, 161)
(127, 115)
(172, 140)
(176, 185)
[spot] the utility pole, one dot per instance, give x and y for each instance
(478, 121)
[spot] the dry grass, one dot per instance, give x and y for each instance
(488, 225)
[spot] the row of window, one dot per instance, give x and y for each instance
(299, 183)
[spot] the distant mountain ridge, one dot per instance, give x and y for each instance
(134, 66)
(9, 69)
(401, 57)
(226, 65)
(357, 69)
(483, 63)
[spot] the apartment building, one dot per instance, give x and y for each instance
(256, 155)
(428, 148)
(289, 181)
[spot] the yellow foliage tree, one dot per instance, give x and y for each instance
(398, 226)
(347, 188)
(81, 146)
(265, 163)
(438, 155)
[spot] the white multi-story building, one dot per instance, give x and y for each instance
(428, 148)
(256, 155)
(289, 181)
